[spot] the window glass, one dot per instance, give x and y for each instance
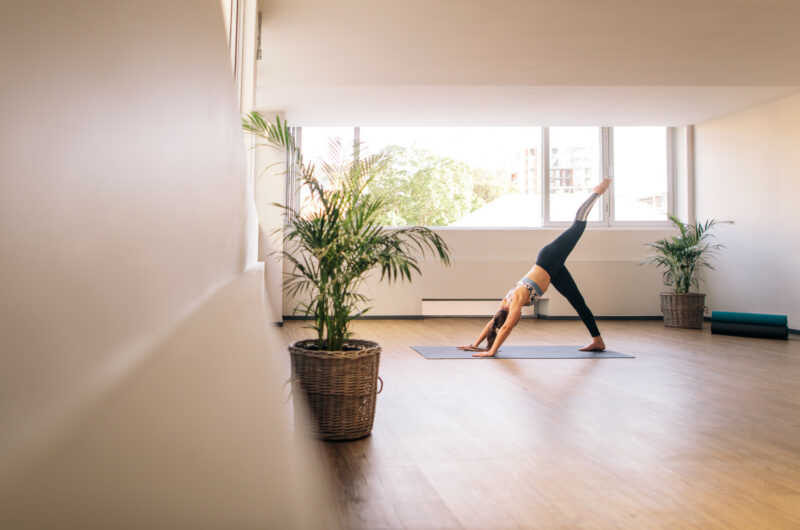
(574, 170)
(317, 143)
(458, 176)
(493, 176)
(323, 144)
(640, 174)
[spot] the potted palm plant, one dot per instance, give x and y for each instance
(681, 257)
(331, 244)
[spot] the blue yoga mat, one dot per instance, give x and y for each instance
(519, 352)
(749, 318)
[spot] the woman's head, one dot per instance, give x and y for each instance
(497, 322)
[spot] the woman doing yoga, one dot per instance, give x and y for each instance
(549, 269)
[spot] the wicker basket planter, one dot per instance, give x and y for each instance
(339, 387)
(683, 310)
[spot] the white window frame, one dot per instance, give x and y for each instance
(671, 176)
(606, 171)
(546, 222)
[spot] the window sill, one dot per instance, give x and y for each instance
(543, 228)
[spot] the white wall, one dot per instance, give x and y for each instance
(486, 263)
(194, 436)
(684, 173)
(138, 385)
(270, 188)
(748, 171)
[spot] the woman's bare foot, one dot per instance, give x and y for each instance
(602, 187)
(483, 353)
(596, 345)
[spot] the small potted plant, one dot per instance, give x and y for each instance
(681, 258)
(332, 244)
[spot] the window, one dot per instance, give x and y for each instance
(500, 177)
(458, 176)
(574, 168)
(318, 145)
(640, 174)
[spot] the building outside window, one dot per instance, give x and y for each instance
(574, 164)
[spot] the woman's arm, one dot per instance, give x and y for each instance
(481, 337)
(514, 314)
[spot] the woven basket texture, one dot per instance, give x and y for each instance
(339, 387)
(683, 310)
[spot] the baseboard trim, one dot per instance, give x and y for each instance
(525, 317)
(484, 316)
(610, 317)
(369, 317)
(498, 300)
(538, 317)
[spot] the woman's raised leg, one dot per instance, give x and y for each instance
(553, 255)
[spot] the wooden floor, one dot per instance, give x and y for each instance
(698, 431)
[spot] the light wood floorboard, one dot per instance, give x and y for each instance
(699, 431)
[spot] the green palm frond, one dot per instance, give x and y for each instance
(332, 248)
(681, 257)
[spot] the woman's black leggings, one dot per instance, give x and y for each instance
(552, 257)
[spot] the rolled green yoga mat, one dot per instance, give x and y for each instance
(750, 325)
(750, 330)
(749, 318)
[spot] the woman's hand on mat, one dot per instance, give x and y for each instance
(484, 353)
(472, 348)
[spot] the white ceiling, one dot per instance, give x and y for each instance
(534, 62)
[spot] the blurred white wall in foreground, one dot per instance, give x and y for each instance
(139, 380)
